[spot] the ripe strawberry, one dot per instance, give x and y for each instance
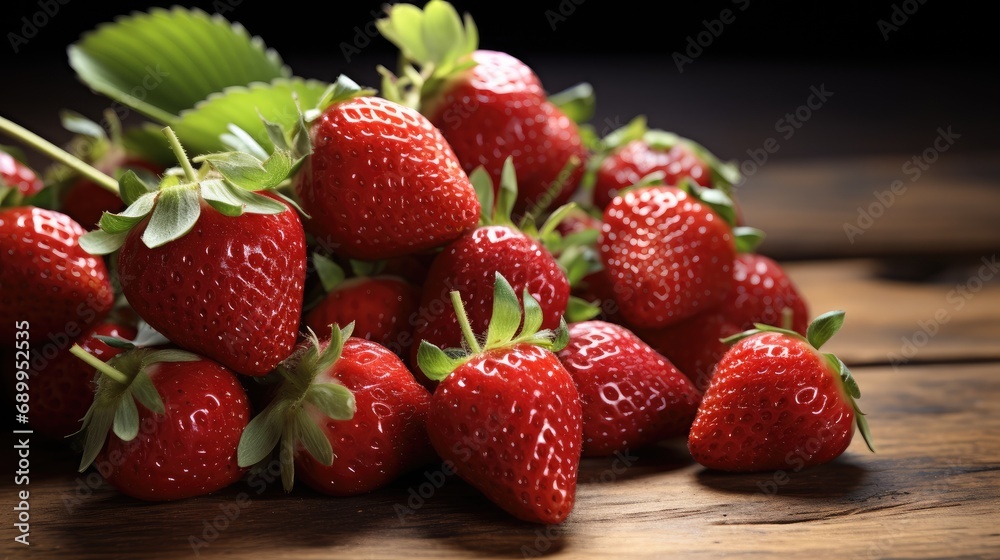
(762, 293)
(631, 396)
(17, 177)
(667, 254)
(62, 388)
(46, 278)
(488, 105)
(175, 418)
(631, 153)
(380, 306)
(348, 412)
(381, 180)
(215, 268)
(507, 415)
(776, 401)
(86, 201)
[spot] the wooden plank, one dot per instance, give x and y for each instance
(896, 322)
(931, 491)
(808, 208)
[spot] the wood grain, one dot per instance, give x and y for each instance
(931, 491)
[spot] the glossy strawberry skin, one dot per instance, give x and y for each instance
(498, 109)
(470, 265)
(46, 278)
(230, 289)
(761, 291)
(15, 174)
(774, 403)
(387, 436)
(631, 396)
(188, 451)
(633, 161)
(380, 307)
(62, 388)
(667, 256)
(509, 421)
(382, 182)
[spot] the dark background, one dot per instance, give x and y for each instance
(889, 97)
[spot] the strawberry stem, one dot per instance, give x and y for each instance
(55, 152)
(97, 364)
(175, 145)
(463, 321)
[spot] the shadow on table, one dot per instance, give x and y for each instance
(838, 478)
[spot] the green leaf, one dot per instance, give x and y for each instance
(483, 184)
(824, 327)
(866, 433)
(163, 62)
(313, 439)
(115, 342)
(98, 242)
(329, 356)
(747, 238)
(578, 309)
(202, 127)
(434, 362)
(233, 201)
(79, 124)
(556, 218)
(128, 218)
(131, 187)
(126, 423)
(248, 172)
(634, 130)
(330, 273)
(506, 313)
(577, 102)
(239, 140)
(176, 212)
(332, 399)
(716, 199)
(168, 356)
(145, 392)
(341, 90)
(442, 32)
(98, 421)
(403, 27)
(533, 315)
(507, 195)
(561, 336)
(261, 435)
(367, 269)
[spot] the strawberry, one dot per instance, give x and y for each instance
(487, 104)
(762, 293)
(506, 414)
(46, 277)
(776, 401)
(631, 396)
(379, 306)
(381, 181)
(175, 420)
(214, 267)
(17, 177)
(471, 263)
(633, 152)
(667, 253)
(86, 201)
(62, 388)
(349, 416)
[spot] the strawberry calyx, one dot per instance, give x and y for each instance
(124, 380)
(820, 330)
(228, 182)
(288, 419)
(435, 44)
(502, 332)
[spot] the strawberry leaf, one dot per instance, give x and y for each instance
(313, 439)
(98, 242)
(533, 315)
(126, 423)
(483, 184)
(577, 102)
(341, 90)
(128, 218)
(163, 62)
(177, 210)
(261, 435)
(247, 172)
(132, 187)
(234, 201)
(824, 327)
(332, 399)
(239, 140)
(78, 124)
(578, 310)
(435, 362)
(143, 390)
(330, 273)
(506, 313)
(747, 239)
(507, 195)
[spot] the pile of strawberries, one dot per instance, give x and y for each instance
(456, 270)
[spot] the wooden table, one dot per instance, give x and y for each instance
(928, 363)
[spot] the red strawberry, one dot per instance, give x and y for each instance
(350, 414)
(761, 294)
(62, 388)
(85, 201)
(776, 401)
(382, 182)
(667, 254)
(18, 176)
(489, 105)
(631, 396)
(47, 279)
(507, 416)
(380, 307)
(214, 267)
(176, 420)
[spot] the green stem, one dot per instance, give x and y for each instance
(175, 144)
(463, 321)
(55, 152)
(97, 364)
